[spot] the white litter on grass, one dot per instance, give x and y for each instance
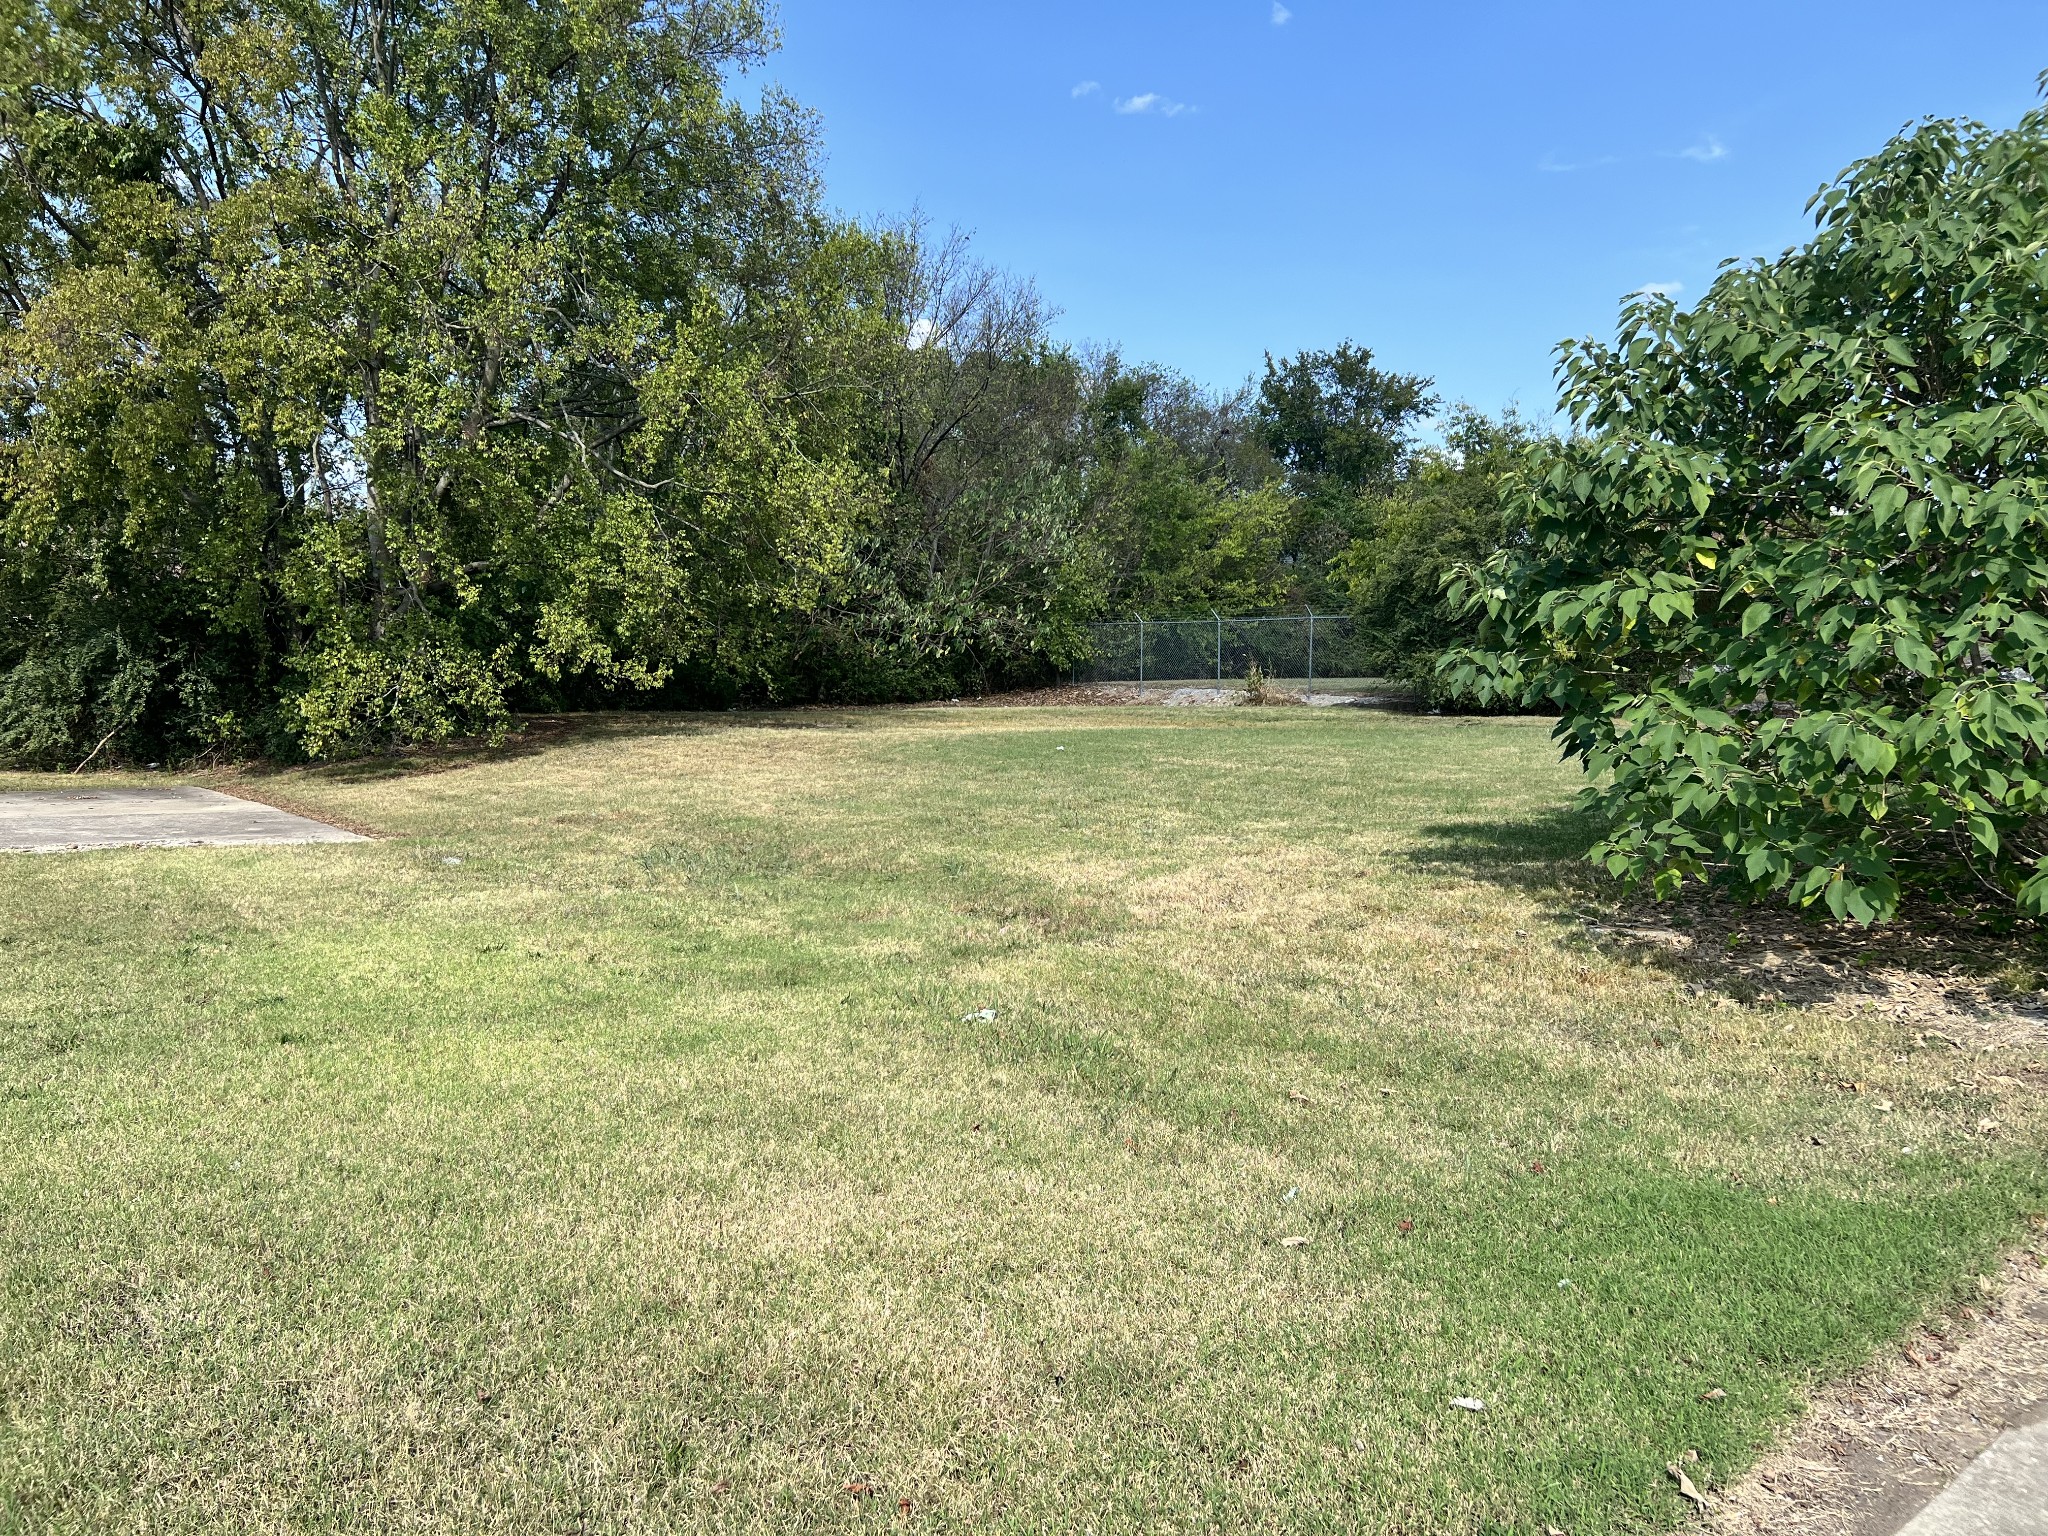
(1469, 1404)
(451, 863)
(979, 1016)
(1564, 1285)
(1291, 1194)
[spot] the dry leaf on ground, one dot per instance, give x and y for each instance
(1686, 1490)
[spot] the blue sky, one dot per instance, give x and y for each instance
(1456, 185)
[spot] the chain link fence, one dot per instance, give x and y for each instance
(1306, 652)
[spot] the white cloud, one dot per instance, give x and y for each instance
(922, 330)
(1281, 15)
(1706, 152)
(1658, 291)
(1559, 167)
(1151, 101)
(1086, 88)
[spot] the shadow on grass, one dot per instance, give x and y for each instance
(1951, 979)
(1542, 853)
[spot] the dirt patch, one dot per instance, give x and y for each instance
(1875, 1448)
(1056, 697)
(530, 734)
(1952, 983)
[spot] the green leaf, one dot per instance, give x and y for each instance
(1914, 655)
(1984, 834)
(1873, 754)
(1838, 897)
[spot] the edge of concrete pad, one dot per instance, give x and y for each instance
(242, 789)
(2005, 1490)
(85, 819)
(1875, 1452)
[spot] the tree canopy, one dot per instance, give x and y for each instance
(370, 369)
(1444, 512)
(1334, 417)
(364, 358)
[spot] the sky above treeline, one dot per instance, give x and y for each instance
(1458, 186)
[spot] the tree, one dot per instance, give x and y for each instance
(1444, 513)
(1190, 511)
(974, 566)
(1341, 429)
(368, 364)
(1789, 582)
(1333, 417)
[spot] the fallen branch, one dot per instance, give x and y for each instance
(95, 752)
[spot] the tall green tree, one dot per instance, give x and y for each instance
(368, 363)
(1447, 511)
(1342, 428)
(1191, 512)
(974, 566)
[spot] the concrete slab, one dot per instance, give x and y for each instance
(2004, 1492)
(64, 820)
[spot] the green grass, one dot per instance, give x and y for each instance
(644, 1171)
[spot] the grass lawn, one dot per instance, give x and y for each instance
(651, 1168)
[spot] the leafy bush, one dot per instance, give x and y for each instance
(1788, 583)
(990, 591)
(90, 688)
(95, 695)
(413, 687)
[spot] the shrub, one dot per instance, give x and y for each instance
(1787, 583)
(415, 687)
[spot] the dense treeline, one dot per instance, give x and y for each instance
(373, 368)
